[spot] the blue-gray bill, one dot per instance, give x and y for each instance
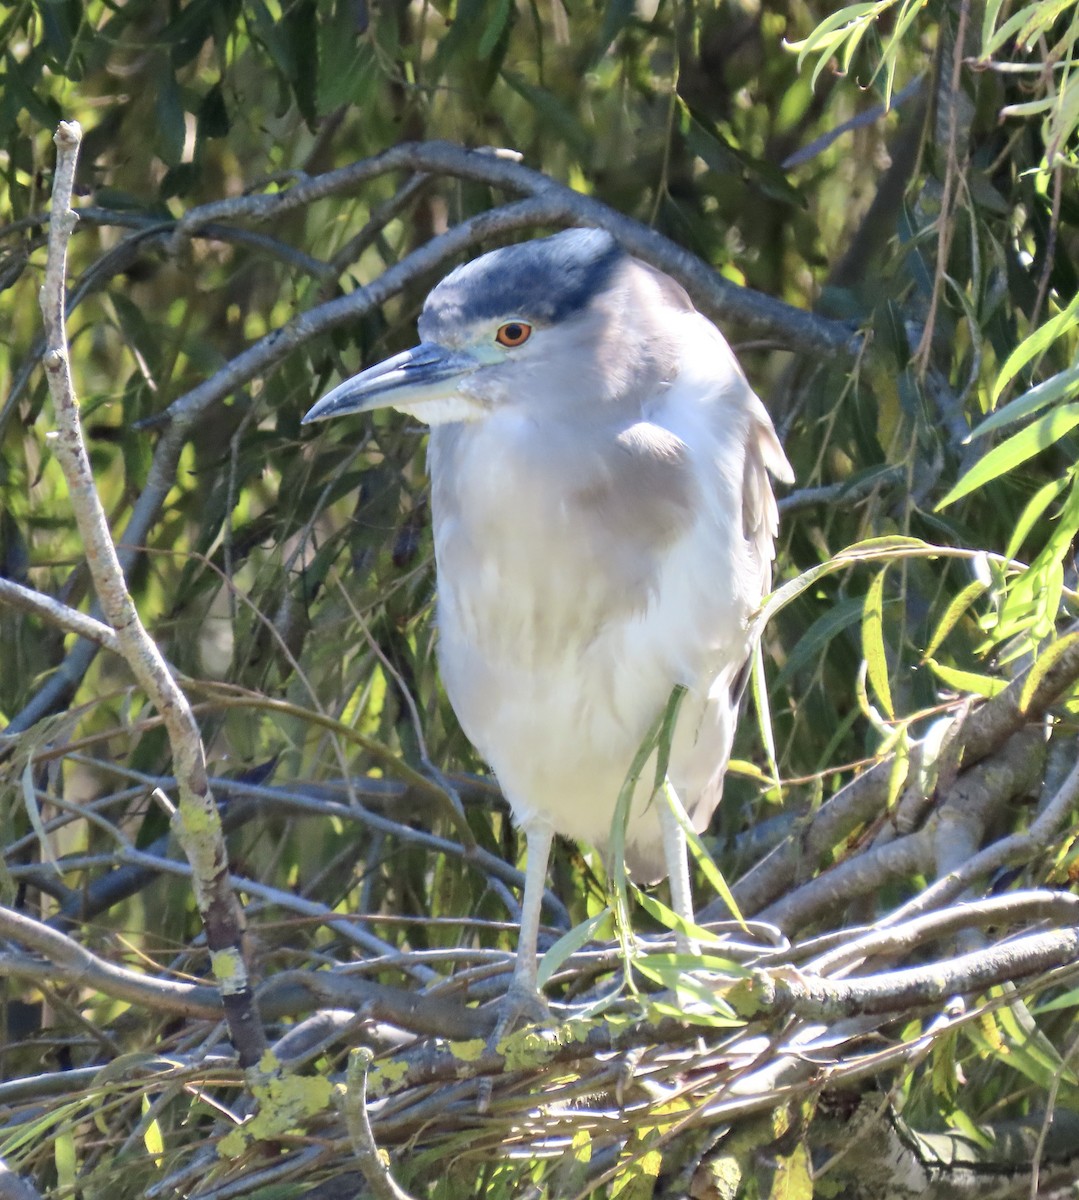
(421, 374)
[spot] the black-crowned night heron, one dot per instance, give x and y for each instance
(604, 527)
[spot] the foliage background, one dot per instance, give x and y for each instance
(289, 573)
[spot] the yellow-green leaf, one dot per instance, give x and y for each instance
(1037, 436)
(953, 612)
(968, 682)
(1043, 664)
(873, 643)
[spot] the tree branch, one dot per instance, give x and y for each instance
(788, 990)
(975, 735)
(197, 822)
(70, 619)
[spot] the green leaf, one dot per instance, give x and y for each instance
(568, 945)
(1037, 436)
(953, 612)
(213, 115)
(793, 1179)
(1049, 391)
(1068, 999)
(152, 1138)
(720, 155)
(831, 33)
(66, 1161)
(272, 37)
(1035, 507)
(873, 643)
(700, 1001)
(967, 682)
(763, 711)
(459, 45)
(1042, 16)
(669, 919)
(616, 16)
(1028, 1050)
(897, 38)
(187, 32)
(810, 648)
(169, 110)
(551, 113)
(869, 550)
(700, 853)
(16, 80)
(897, 776)
(989, 22)
(60, 25)
(1007, 30)
(1030, 109)
(665, 736)
(1037, 343)
(349, 64)
(496, 26)
(1043, 664)
(299, 24)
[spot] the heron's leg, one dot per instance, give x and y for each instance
(523, 1001)
(676, 857)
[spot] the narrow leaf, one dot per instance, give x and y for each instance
(1034, 510)
(701, 856)
(873, 643)
(1043, 664)
(1037, 436)
(669, 919)
(568, 945)
(967, 682)
(953, 612)
(1037, 343)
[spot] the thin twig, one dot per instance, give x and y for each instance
(951, 184)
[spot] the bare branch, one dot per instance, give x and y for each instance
(58, 614)
(863, 798)
(72, 963)
(1017, 847)
(197, 823)
(14, 1187)
(801, 331)
(979, 793)
(891, 939)
(787, 990)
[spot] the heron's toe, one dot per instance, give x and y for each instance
(520, 1006)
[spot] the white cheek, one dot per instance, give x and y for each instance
(482, 389)
(445, 410)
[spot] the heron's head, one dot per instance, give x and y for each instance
(564, 320)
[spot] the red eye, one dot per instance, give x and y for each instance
(513, 333)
